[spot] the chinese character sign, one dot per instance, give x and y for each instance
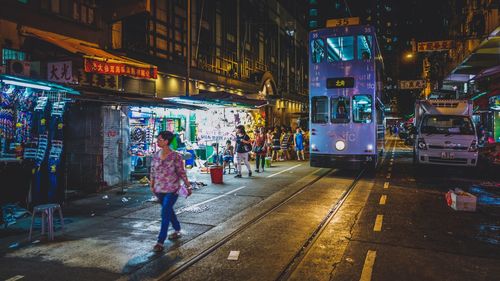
(411, 84)
(102, 67)
(435, 46)
(61, 72)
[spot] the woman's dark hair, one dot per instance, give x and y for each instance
(242, 129)
(167, 135)
(228, 142)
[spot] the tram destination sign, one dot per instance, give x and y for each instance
(340, 82)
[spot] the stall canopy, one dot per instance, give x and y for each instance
(95, 59)
(220, 98)
(113, 98)
(35, 84)
(486, 55)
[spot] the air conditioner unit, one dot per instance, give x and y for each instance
(18, 67)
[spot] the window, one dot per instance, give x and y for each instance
(340, 109)
(340, 48)
(365, 44)
(313, 23)
(8, 54)
(317, 50)
(319, 110)
(362, 109)
(447, 124)
(313, 12)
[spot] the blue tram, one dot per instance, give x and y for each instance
(345, 86)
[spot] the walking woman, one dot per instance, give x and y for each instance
(260, 148)
(298, 141)
(243, 147)
(276, 144)
(167, 171)
(285, 143)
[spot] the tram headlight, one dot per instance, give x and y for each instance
(313, 147)
(369, 148)
(340, 145)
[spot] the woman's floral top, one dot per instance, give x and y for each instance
(167, 173)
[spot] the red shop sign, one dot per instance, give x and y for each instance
(111, 68)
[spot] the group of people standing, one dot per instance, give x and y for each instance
(277, 144)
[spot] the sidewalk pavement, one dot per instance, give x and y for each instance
(103, 233)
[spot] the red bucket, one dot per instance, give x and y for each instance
(216, 174)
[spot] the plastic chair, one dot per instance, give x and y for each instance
(47, 212)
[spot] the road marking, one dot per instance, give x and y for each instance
(366, 274)
(388, 176)
(383, 198)
(389, 169)
(270, 176)
(378, 223)
(182, 210)
(386, 185)
(17, 277)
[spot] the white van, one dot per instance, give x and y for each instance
(445, 133)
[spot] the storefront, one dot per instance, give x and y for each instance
(32, 139)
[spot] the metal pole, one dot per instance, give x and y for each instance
(188, 46)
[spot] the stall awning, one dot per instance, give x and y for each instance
(36, 84)
(96, 60)
(113, 98)
(221, 98)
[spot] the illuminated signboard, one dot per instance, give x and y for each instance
(434, 46)
(109, 68)
(340, 82)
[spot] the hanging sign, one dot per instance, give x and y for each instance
(112, 68)
(411, 84)
(61, 72)
(435, 46)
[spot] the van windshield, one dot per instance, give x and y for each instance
(447, 124)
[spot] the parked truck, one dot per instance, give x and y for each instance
(445, 133)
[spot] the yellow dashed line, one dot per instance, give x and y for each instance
(378, 223)
(383, 199)
(366, 274)
(386, 185)
(388, 176)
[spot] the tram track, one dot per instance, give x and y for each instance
(171, 274)
(311, 240)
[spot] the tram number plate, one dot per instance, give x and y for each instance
(447, 155)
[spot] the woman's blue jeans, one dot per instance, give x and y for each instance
(167, 201)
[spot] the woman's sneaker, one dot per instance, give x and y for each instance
(175, 235)
(249, 174)
(158, 248)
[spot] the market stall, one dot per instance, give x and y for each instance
(31, 139)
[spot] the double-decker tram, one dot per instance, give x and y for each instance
(345, 85)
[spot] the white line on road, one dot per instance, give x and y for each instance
(270, 176)
(383, 199)
(389, 169)
(17, 277)
(386, 185)
(378, 223)
(388, 176)
(182, 210)
(366, 274)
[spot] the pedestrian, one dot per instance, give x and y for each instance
(269, 142)
(243, 147)
(228, 155)
(167, 171)
(285, 144)
(298, 141)
(260, 148)
(276, 144)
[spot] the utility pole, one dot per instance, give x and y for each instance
(188, 46)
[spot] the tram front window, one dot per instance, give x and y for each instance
(364, 47)
(319, 110)
(340, 110)
(362, 109)
(340, 48)
(317, 50)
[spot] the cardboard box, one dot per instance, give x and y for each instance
(460, 200)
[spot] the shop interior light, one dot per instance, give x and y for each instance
(27, 85)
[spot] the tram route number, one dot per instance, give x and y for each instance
(342, 22)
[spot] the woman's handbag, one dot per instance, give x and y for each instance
(183, 191)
